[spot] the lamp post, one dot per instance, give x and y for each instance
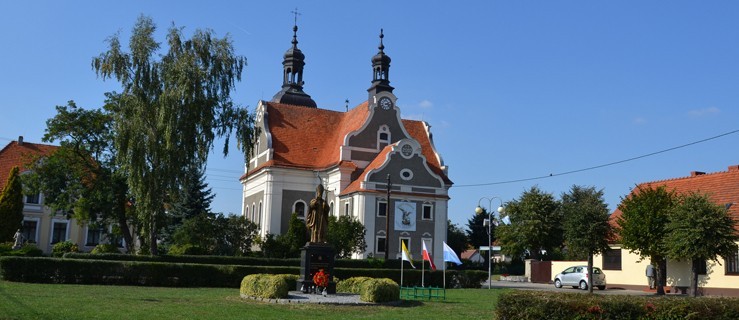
(387, 218)
(489, 221)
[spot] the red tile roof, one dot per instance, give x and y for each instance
(15, 154)
(311, 138)
(722, 187)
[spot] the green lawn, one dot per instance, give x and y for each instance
(56, 301)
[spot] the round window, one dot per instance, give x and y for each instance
(406, 150)
(406, 174)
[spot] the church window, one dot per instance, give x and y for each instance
(407, 241)
(383, 137)
(382, 208)
(380, 244)
(331, 208)
(259, 214)
(428, 212)
(406, 174)
(299, 208)
(347, 208)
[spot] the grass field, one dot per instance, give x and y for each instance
(55, 301)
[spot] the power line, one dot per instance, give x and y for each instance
(598, 166)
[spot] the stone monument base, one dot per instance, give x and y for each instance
(313, 257)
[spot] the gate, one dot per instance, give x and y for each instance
(541, 271)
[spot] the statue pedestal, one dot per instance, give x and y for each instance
(315, 256)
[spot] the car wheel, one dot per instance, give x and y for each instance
(601, 287)
(583, 285)
(557, 283)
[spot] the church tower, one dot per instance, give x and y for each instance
(292, 77)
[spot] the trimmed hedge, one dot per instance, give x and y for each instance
(379, 290)
(371, 289)
(73, 271)
(557, 305)
(27, 250)
(255, 261)
(267, 286)
(351, 285)
(412, 277)
(149, 273)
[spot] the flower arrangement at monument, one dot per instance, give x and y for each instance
(320, 279)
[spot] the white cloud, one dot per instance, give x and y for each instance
(704, 112)
(639, 120)
(425, 104)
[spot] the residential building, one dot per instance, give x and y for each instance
(358, 155)
(624, 268)
(40, 225)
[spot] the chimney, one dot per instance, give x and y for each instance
(696, 173)
(20, 140)
(734, 168)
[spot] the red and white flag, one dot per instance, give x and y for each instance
(427, 256)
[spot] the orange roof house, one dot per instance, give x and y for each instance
(18, 154)
(626, 269)
(353, 154)
(722, 187)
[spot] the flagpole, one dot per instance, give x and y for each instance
(444, 274)
(423, 274)
(401, 273)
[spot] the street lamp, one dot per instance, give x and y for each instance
(387, 218)
(489, 221)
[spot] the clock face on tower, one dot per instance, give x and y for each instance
(385, 103)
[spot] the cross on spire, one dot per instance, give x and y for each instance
(296, 13)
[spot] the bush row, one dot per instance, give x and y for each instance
(270, 286)
(27, 250)
(249, 261)
(371, 289)
(147, 273)
(73, 271)
(557, 305)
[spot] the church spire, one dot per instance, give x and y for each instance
(292, 75)
(380, 70)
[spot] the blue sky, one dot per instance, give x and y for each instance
(512, 89)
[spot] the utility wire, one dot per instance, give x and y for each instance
(598, 166)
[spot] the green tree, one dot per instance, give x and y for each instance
(235, 235)
(11, 206)
(477, 233)
(193, 200)
(171, 108)
(536, 225)
(346, 234)
(456, 238)
(699, 230)
(80, 178)
(642, 226)
(586, 226)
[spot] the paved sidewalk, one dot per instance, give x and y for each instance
(550, 287)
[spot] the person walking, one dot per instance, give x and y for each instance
(650, 276)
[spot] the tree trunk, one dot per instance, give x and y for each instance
(660, 275)
(590, 273)
(153, 248)
(694, 279)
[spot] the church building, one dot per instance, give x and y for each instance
(360, 156)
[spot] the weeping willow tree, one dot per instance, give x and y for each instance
(171, 108)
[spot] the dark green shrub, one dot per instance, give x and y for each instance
(74, 271)
(187, 249)
(60, 248)
(267, 286)
(252, 261)
(379, 290)
(105, 248)
(557, 305)
(27, 250)
(351, 285)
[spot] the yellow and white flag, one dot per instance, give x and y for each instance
(406, 255)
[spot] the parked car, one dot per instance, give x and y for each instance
(577, 277)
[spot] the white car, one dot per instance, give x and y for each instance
(577, 277)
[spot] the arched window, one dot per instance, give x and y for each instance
(253, 213)
(259, 214)
(246, 212)
(331, 208)
(299, 208)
